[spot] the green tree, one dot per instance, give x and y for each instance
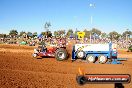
(114, 35)
(94, 30)
(103, 35)
(3, 35)
(56, 33)
(35, 34)
(22, 32)
(29, 34)
(69, 32)
(61, 32)
(127, 33)
(48, 34)
(87, 33)
(43, 33)
(13, 33)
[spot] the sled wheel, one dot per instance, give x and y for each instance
(102, 59)
(90, 58)
(80, 54)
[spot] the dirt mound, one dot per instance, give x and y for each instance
(19, 70)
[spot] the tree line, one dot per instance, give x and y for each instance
(70, 33)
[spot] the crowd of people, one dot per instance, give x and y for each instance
(121, 43)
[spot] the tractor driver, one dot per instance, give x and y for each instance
(44, 48)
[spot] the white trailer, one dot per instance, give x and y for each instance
(95, 52)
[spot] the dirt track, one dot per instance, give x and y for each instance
(19, 70)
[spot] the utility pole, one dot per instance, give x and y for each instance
(91, 19)
(127, 38)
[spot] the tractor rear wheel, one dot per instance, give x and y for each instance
(61, 54)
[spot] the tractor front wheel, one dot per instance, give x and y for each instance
(35, 55)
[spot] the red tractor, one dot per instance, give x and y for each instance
(59, 51)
